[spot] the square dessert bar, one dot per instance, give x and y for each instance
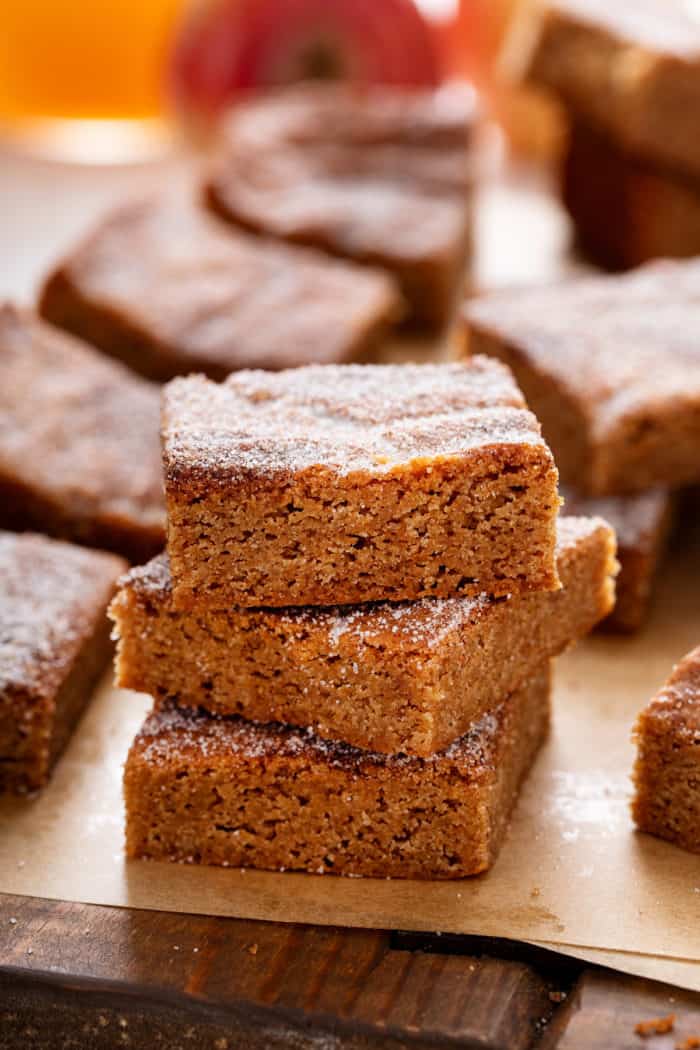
(351, 205)
(79, 447)
(409, 677)
(628, 68)
(667, 771)
(342, 484)
(168, 289)
(209, 790)
(426, 136)
(379, 175)
(54, 644)
(626, 211)
(642, 522)
(611, 367)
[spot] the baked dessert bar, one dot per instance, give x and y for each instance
(341, 484)
(630, 68)
(353, 114)
(349, 205)
(667, 771)
(627, 212)
(376, 175)
(54, 644)
(168, 289)
(611, 367)
(209, 790)
(427, 136)
(410, 677)
(642, 522)
(79, 446)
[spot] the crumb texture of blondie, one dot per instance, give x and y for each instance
(54, 643)
(206, 790)
(79, 446)
(667, 771)
(611, 367)
(345, 484)
(408, 677)
(642, 522)
(167, 288)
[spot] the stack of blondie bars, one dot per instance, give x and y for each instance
(349, 638)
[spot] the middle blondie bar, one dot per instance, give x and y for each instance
(409, 678)
(339, 484)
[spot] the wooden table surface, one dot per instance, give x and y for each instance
(74, 975)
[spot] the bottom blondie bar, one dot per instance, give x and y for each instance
(667, 771)
(204, 789)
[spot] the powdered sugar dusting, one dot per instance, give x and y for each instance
(402, 625)
(677, 704)
(172, 733)
(343, 418)
(636, 517)
(51, 597)
(618, 345)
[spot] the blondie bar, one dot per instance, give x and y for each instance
(642, 522)
(611, 367)
(424, 136)
(625, 211)
(54, 644)
(209, 790)
(79, 447)
(410, 677)
(378, 176)
(168, 289)
(667, 771)
(343, 484)
(631, 69)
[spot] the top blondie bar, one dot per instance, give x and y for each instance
(350, 483)
(611, 366)
(630, 68)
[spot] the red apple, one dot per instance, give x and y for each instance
(232, 47)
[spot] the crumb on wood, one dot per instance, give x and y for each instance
(655, 1026)
(535, 891)
(252, 949)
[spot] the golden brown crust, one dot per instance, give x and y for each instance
(201, 789)
(611, 367)
(346, 484)
(95, 481)
(667, 770)
(54, 643)
(166, 288)
(410, 677)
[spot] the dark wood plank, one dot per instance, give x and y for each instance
(606, 1007)
(256, 982)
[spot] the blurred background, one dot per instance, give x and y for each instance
(101, 100)
(121, 80)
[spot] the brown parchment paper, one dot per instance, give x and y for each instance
(573, 874)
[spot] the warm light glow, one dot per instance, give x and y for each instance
(438, 9)
(84, 58)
